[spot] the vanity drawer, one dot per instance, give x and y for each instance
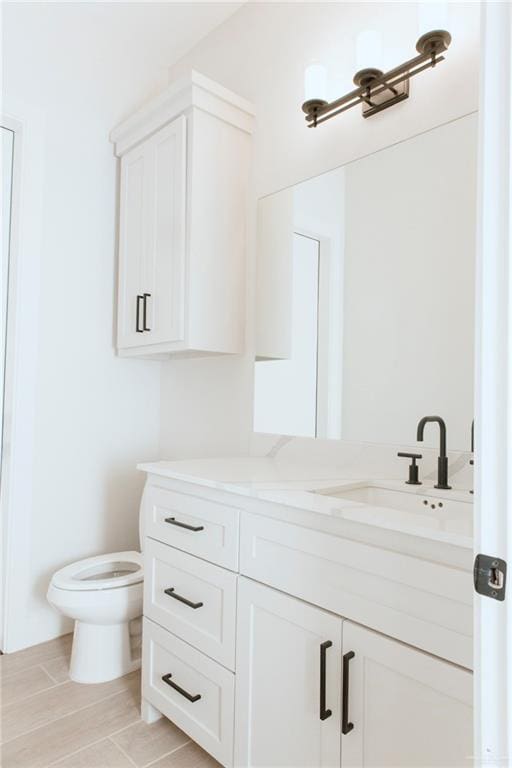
(203, 701)
(425, 604)
(192, 523)
(201, 608)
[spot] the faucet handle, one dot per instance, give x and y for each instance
(413, 467)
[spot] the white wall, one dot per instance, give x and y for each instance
(261, 52)
(71, 72)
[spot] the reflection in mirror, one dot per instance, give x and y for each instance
(290, 386)
(365, 306)
(7, 160)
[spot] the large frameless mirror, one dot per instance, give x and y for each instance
(365, 295)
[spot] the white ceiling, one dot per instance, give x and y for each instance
(131, 44)
(184, 23)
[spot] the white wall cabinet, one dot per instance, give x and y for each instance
(182, 222)
(288, 695)
(152, 239)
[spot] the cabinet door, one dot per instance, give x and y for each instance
(165, 262)
(406, 708)
(288, 671)
(133, 245)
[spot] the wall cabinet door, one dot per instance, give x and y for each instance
(407, 708)
(288, 681)
(165, 262)
(152, 239)
(133, 245)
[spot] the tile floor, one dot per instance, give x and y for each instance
(46, 719)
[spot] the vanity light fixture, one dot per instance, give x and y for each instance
(378, 90)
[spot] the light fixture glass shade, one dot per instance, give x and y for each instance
(432, 15)
(369, 49)
(315, 81)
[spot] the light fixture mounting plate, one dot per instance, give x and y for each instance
(385, 98)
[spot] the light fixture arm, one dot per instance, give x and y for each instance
(379, 90)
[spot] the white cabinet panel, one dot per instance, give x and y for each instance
(192, 523)
(198, 695)
(152, 240)
(279, 650)
(192, 599)
(423, 603)
(166, 222)
(408, 709)
(133, 244)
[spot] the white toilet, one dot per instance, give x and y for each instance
(103, 595)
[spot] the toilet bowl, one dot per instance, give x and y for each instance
(103, 595)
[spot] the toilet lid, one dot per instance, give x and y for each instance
(118, 569)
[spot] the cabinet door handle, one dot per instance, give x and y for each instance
(346, 726)
(145, 327)
(174, 594)
(173, 521)
(182, 691)
(137, 314)
(324, 713)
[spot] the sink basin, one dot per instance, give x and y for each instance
(432, 508)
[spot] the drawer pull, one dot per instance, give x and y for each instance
(173, 521)
(174, 594)
(182, 691)
(346, 727)
(324, 712)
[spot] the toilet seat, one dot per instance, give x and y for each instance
(110, 571)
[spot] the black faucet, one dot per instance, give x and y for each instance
(442, 461)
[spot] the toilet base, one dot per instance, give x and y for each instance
(101, 652)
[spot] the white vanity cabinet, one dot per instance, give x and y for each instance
(254, 642)
(407, 708)
(288, 708)
(188, 660)
(184, 162)
(314, 690)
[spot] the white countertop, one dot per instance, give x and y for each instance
(291, 484)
